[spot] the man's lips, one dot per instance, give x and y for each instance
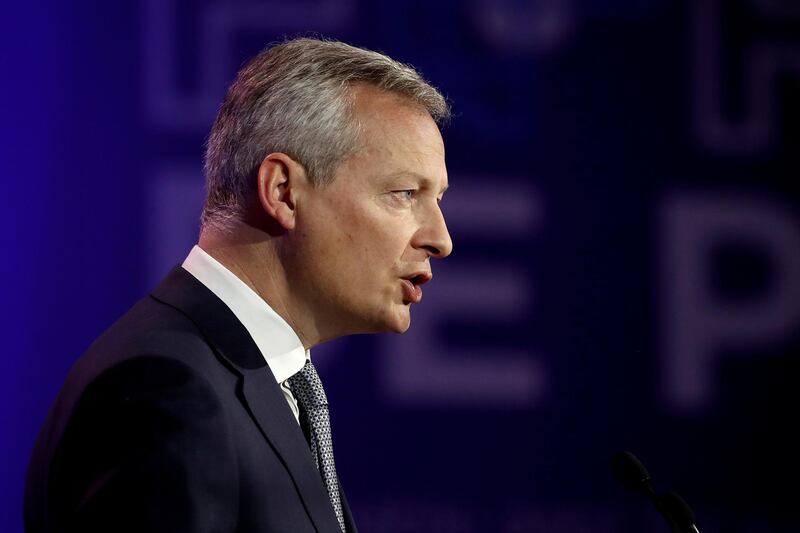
(412, 291)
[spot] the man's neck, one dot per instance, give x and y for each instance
(254, 260)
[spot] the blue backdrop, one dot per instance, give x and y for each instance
(626, 272)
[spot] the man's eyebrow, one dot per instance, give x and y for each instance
(419, 177)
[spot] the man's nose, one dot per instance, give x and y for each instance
(434, 237)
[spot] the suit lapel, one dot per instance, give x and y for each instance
(262, 395)
(273, 416)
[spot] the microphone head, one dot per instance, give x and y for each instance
(631, 473)
(678, 510)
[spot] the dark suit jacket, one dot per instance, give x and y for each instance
(172, 421)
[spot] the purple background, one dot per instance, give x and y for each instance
(624, 207)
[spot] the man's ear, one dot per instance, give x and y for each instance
(279, 180)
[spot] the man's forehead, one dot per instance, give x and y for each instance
(371, 102)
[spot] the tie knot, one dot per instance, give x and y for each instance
(307, 386)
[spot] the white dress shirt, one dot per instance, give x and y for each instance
(275, 339)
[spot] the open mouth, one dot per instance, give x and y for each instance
(419, 279)
(412, 290)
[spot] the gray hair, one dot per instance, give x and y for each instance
(294, 98)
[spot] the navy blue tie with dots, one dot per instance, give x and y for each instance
(308, 390)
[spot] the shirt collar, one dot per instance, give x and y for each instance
(275, 339)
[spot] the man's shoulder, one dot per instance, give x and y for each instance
(151, 333)
(149, 381)
(149, 326)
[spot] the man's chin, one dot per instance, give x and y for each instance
(400, 321)
(396, 319)
(403, 328)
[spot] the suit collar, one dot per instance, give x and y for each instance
(261, 393)
(275, 338)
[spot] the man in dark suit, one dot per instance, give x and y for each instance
(200, 410)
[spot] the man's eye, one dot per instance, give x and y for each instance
(406, 194)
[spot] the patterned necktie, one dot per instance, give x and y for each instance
(307, 387)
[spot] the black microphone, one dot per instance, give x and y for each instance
(679, 510)
(635, 477)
